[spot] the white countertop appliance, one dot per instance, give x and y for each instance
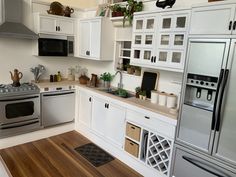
(19, 109)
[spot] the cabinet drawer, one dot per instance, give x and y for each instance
(152, 123)
(131, 147)
(133, 131)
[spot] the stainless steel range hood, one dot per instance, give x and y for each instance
(12, 20)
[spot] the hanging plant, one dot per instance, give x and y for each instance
(131, 7)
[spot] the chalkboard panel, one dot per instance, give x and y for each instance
(149, 83)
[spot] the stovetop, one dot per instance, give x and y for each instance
(24, 88)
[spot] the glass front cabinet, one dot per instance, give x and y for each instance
(160, 39)
(143, 39)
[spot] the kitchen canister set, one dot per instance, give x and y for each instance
(164, 99)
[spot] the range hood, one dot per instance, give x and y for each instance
(12, 12)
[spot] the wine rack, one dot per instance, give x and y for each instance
(159, 153)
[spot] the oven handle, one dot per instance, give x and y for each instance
(58, 94)
(21, 125)
(19, 99)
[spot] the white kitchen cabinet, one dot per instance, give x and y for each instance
(96, 39)
(160, 39)
(99, 116)
(212, 20)
(108, 120)
(55, 25)
(156, 142)
(115, 124)
(85, 108)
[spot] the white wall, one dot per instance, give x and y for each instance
(16, 53)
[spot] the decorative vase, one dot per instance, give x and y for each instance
(107, 84)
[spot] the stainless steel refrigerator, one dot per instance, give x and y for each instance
(206, 135)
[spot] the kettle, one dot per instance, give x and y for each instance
(16, 77)
(68, 11)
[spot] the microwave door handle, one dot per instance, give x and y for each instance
(216, 99)
(221, 100)
(202, 165)
(19, 99)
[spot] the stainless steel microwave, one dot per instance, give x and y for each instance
(56, 47)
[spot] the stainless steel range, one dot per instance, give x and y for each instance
(19, 109)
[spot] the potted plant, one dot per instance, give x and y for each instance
(131, 7)
(143, 95)
(107, 78)
(117, 10)
(122, 93)
(130, 69)
(137, 71)
(137, 91)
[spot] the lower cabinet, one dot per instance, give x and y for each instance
(145, 140)
(85, 108)
(108, 120)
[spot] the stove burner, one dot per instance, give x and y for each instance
(25, 88)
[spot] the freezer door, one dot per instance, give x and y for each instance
(188, 165)
(225, 147)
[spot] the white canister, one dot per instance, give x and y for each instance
(162, 98)
(171, 101)
(154, 97)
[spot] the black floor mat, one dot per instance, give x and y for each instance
(94, 154)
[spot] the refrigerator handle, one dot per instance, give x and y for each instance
(202, 165)
(216, 99)
(221, 100)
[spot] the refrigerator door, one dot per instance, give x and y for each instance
(225, 145)
(189, 164)
(205, 57)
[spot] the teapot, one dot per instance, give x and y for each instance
(16, 77)
(68, 11)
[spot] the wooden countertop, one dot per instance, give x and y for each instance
(144, 104)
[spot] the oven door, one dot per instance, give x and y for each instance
(52, 47)
(19, 108)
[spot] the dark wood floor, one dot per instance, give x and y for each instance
(56, 157)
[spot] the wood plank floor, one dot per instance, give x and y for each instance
(56, 157)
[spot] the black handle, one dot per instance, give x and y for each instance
(234, 26)
(87, 53)
(216, 99)
(56, 28)
(155, 58)
(230, 25)
(58, 94)
(90, 99)
(221, 100)
(146, 117)
(133, 128)
(201, 165)
(19, 99)
(108, 106)
(199, 93)
(59, 28)
(152, 59)
(21, 125)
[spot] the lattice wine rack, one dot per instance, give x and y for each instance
(159, 153)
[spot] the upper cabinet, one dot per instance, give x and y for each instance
(55, 25)
(213, 20)
(95, 39)
(159, 40)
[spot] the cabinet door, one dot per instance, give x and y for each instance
(212, 20)
(66, 26)
(84, 38)
(47, 25)
(115, 124)
(95, 40)
(99, 115)
(85, 108)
